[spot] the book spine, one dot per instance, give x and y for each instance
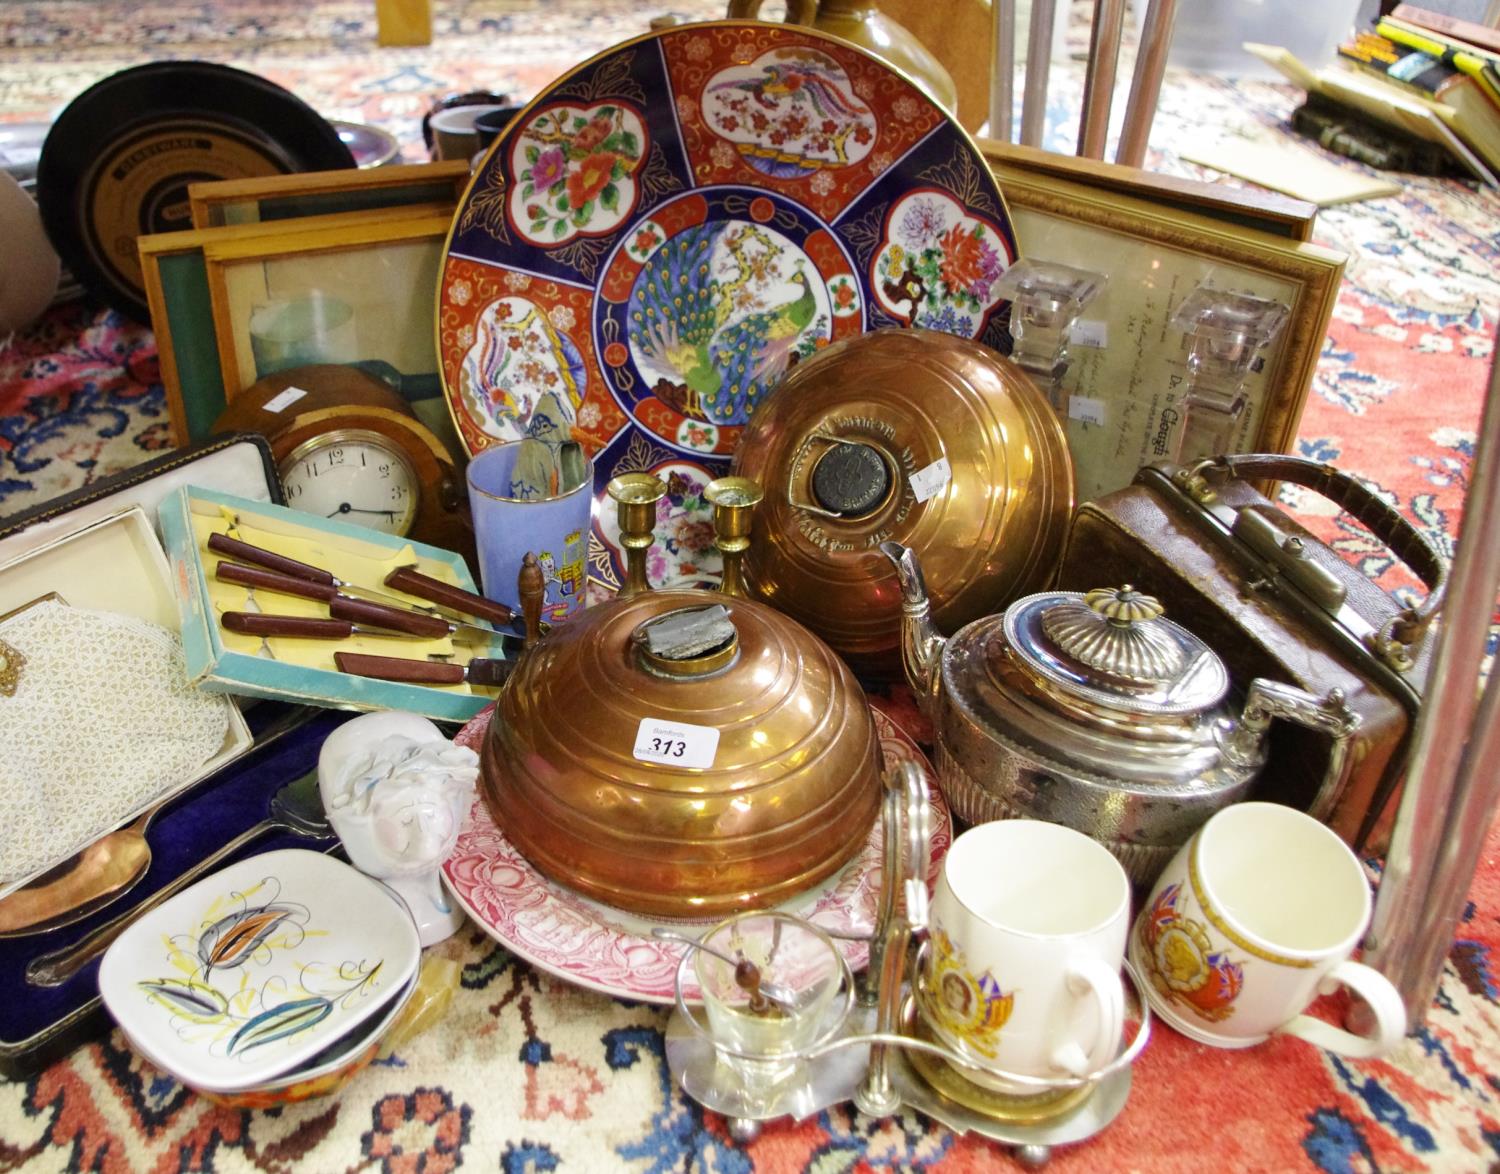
(1472, 64)
(1478, 35)
(1414, 71)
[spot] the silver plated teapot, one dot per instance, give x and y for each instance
(1094, 711)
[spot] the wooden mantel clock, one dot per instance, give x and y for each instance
(348, 446)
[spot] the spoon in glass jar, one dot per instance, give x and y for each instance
(746, 973)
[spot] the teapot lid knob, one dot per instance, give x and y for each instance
(1124, 605)
(1113, 631)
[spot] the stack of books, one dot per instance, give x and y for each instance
(1419, 72)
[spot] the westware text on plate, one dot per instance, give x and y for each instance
(661, 233)
(613, 952)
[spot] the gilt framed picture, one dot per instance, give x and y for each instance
(1127, 370)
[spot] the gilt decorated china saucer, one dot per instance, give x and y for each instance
(663, 232)
(613, 952)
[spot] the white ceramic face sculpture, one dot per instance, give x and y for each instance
(396, 792)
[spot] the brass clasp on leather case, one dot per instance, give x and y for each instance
(1287, 555)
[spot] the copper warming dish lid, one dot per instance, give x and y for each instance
(933, 441)
(683, 754)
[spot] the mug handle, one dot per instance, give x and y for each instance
(1088, 975)
(1384, 1002)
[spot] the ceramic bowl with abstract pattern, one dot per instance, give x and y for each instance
(258, 969)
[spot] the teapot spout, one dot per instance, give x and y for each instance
(921, 643)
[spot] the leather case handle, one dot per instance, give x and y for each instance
(1405, 541)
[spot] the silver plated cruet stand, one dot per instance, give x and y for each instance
(865, 1047)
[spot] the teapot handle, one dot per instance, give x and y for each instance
(1330, 714)
(797, 11)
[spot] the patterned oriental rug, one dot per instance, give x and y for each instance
(528, 1073)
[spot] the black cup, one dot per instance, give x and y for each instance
(491, 126)
(448, 101)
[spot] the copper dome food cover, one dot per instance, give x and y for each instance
(789, 798)
(849, 451)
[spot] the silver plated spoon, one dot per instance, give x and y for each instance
(297, 807)
(746, 973)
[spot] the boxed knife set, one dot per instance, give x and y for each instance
(271, 598)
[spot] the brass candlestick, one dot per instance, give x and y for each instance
(734, 499)
(636, 495)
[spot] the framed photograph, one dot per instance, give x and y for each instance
(175, 274)
(360, 294)
(323, 193)
(1262, 211)
(1127, 367)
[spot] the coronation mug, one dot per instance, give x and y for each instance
(1022, 972)
(1255, 917)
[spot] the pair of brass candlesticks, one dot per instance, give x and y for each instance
(636, 496)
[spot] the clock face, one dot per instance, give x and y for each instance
(354, 476)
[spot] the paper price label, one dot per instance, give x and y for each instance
(284, 399)
(675, 743)
(1086, 410)
(930, 481)
(1090, 333)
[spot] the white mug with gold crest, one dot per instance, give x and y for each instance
(1022, 972)
(1255, 917)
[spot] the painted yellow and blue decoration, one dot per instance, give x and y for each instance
(563, 581)
(972, 1009)
(237, 936)
(1182, 964)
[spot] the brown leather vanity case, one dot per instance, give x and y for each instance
(1273, 601)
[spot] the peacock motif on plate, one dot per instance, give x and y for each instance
(704, 208)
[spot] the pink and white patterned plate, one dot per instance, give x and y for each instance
(613, 952)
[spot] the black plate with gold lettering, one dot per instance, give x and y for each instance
(118, 161)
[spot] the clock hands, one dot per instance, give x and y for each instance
(346, 508)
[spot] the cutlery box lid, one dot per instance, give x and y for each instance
(39, 1025)
(114, 564)
(237, 462)
(293, 669)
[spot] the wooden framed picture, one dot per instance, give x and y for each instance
(1262, 211)
(322, 193)
(356, 294)
(175, 275)
(1127, 368)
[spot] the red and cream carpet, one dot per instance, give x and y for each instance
(529, 1074)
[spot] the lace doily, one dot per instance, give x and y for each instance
(102, 722)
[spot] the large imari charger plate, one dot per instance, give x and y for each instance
(614, 952)
(661, 233)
